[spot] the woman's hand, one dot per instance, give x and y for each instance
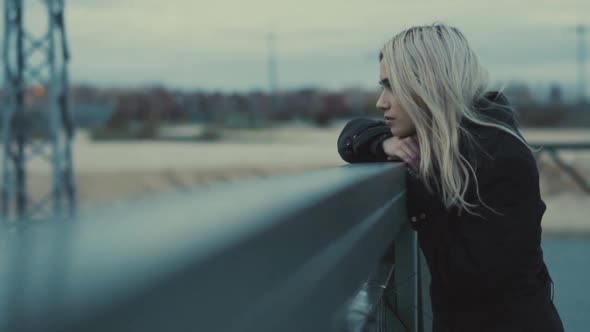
(405, 149)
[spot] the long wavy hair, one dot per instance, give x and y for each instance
(438, 79)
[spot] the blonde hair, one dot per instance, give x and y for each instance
(437, 78)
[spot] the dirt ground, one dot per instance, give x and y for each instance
(114, 172)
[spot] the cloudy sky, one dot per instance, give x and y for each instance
(222, 44)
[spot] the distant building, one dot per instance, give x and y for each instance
(88, 115)
(555, 95)
(519, 94)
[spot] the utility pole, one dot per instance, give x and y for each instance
(35, 115)
(273, 79)
(581, 31)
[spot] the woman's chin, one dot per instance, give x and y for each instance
(402, 133)
(397, 132)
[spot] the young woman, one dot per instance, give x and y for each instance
(472, 184)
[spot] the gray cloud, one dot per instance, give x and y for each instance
(329, 43)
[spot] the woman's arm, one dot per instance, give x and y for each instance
(361, 140)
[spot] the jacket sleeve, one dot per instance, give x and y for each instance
(361, 141)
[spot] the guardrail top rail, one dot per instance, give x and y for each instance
(280, 254)
(553, 148)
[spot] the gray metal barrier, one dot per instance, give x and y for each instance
(289, 253)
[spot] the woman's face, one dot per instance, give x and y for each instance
(396, 118)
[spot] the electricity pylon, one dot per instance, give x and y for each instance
(36, 122)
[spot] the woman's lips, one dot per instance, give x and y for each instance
(389, 121)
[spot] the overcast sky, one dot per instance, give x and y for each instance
(222, 44)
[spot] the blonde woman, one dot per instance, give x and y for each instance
(472, 184)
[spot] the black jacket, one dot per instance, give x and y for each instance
(488, 272)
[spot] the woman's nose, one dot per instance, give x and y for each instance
(382, 104)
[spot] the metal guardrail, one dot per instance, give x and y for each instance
(290, 253)
(552, 148)
(546, 145)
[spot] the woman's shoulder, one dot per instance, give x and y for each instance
(511, 152)
(491, 148)
(508, 173)
(501, 139)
